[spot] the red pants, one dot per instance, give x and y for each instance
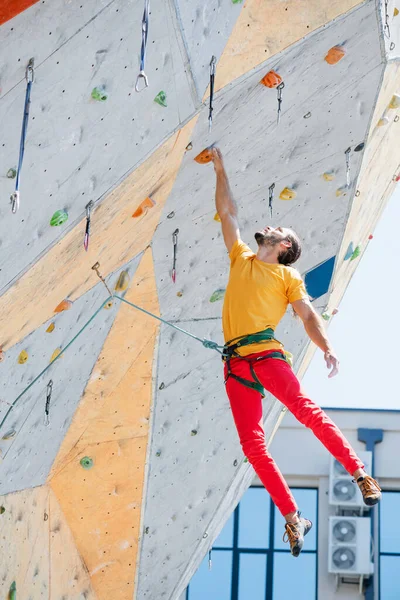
(278, 378)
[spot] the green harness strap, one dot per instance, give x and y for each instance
(245, 340)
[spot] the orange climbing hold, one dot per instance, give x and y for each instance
(271, 80)
(50, 328)
(64, 305)
(142, 208)
(204, 157)
(217, 217)
(287, 194)
(334, 55)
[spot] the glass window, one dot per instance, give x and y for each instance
(307, 501)
(254, 514)
(225, 538)
(252, 576)
(389, 577)
(390, 527)
(294, 577)
(215, 584)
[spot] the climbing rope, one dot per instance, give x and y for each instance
(30, 77)
(145, 32)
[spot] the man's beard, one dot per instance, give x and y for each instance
(267, 239)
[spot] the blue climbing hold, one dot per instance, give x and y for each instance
(350, 251)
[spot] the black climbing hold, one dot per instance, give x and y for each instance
(359, 147)
(2, 510)
(158, 453)
(162, 386)
(171, 215)
(235, 463)
(193, 432)
(147, 530)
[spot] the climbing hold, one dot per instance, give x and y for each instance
(289, 357)
(2, 510)
(179, 294)
(359, 147)
(335, 312)
(147, 203)
(189, 146)
(64, 305)
(50, 328)
(326, 316)
(147, 530)
(108, 305)
(287, 194)
(370, 237)
(23, 357)
(193, 432)
(395, 12)
(349, 252)
(161, 98)
(358, 193)
(11, 173)
(99, 94)
(395, 101)
(9, 435)
(161, 386)
(86, 462)
(236, 1)
(171, 215)
(158, 453)
(329, 176)
(217, 217)
(307, 115)
(383, 121)
(123, 282)
(204, 157)
(12, 594)
(56, 353)
(2, 357)
(341, 192)
(356, 253)
(235, 463)
(59, 217)
(246, 460)
(217, 295)
(271, 80)
(334, 55)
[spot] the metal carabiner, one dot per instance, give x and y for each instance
(142, 75)
(30, 72)
(14, 199)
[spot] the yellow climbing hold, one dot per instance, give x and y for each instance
(108, 305)
(383, 121)
(329, 176)
(395, 101)
(56, 353)
(123, 282)
(287, 194)
(50, 328)
(396, 11)
(23, 357)
(217, 218)
(341, 192)
(289, 357)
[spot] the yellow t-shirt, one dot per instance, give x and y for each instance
(257, 296)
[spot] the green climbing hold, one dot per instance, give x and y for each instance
(236, 1)
(12, 594)
(356, 253)
(217, 295)
(99, 94)
(86, 462)
(325, 316)
(59, 217)
(246, 460)
(161, 98)
(11, 173)
(2, 510)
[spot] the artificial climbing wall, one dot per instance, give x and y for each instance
(119, 459)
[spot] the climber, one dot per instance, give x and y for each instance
(259, 290)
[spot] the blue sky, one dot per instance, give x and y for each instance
(366, 331)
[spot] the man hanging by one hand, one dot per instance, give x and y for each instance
(259, 290)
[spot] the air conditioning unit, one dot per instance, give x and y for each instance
(342, 491)
(350, 546)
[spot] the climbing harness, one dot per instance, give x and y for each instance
(229, 352)
(347, 155)
(175, 243)
(145, 32)
(212, 78)
(271, 197)
(48, 398)
(30, 77)
(280, 88)
(96, 267)
(88, 207)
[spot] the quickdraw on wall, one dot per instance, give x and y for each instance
(30, 77)
(273, 80)
(175, 248)
(145, 32)
(88, 209)
(271, 197)
(212, 78)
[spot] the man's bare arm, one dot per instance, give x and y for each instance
(315, 329)
(224, 202)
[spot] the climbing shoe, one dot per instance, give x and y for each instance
(371, 492)
(295, 533)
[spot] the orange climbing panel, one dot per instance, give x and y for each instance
(11, 8)
(271, 80)
(334, 55)
(204, 157)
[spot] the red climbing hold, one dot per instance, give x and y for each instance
(64, 305)
(204, 157)
(334, 55)
(271, 80)
(370, 237)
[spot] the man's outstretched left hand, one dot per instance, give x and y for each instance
(332, 362)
